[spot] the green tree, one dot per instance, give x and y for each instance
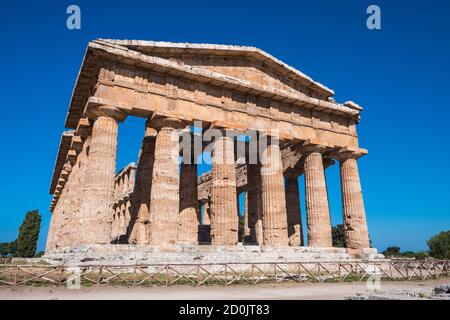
(4, 249)
(13, 248)
(28, 235)
(420, 255)
(440, 245)
(337, 233)
(392, 251)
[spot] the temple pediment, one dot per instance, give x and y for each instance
(243, 62)
(247, 71)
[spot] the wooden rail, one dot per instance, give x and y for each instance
(221, 274)
(5, 260)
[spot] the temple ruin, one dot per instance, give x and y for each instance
(156, 202)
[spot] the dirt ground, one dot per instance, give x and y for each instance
(305, 291)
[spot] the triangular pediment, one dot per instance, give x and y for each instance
(245, 70)
(247, 63)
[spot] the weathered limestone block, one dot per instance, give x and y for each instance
(355, 223)
(318, 213)
(188, 220)
(293, 211)
(164, 199)
(274, 219)
(254, 204)
(224, 215)
(98, 191)
(139, 231)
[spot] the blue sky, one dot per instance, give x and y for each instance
(399, 74)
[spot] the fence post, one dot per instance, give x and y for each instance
(15, 275)
(134, 275)
(226, 275)
(198, 276)
(167, 274)
(60, 276)
(253, 273)
(100, 274)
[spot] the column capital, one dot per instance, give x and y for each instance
(345, 153)
(72, 157)
(67, 166)
(313, 146)
(95, 111)
(77, 144)
(84, 128)
(159, 121)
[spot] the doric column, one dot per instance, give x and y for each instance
(355, 223)
(127, 217)
(122, 226)
(83, 159)
(293, 211)
(246, 222)
(274, 217)
(164, 198)
(139, 231)
(206, 214)
(56, 228)
(318, 213)
(254, 203)
(115, 224)
(96, 210)
(188, 232)
(224, 216)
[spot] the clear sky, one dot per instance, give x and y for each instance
(399, 74)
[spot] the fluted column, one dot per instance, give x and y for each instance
(127, 217)
(246, 222)
(206, 213)
(164, 199)
(139, 231)
(77, 198)
(355, 223)
(188, 219)
(122, 226)
(56, 228)
(224, 216)
(318, 213)
(96, 209)
(115, 224)
(254, 203)
(274, 219)
(293, 211)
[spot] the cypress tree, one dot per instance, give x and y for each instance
(28, 235)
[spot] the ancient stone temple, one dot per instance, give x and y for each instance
(161, 203)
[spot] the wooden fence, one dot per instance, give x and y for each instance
(221, 274)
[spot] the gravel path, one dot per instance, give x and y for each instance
(307, 291)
